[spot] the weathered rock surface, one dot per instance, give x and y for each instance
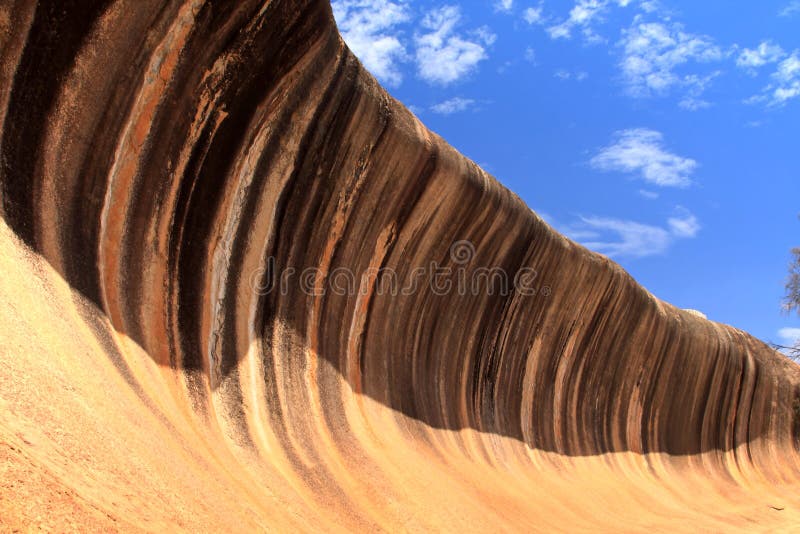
(162, 161)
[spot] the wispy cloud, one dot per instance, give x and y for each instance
(766, 52)
(444, 56)
(791, 9)
(646, 193)
(369, 27)
(695, 86)
(533, 15)
(789, 336)
(622, 238)
(617, 238)
(504, 5)
(583, 15)
(692, 103)
(653, 53)
(377, 32)
(580, 17)
(785, 85)
(788, 78)
(683, 223)
(650, 6)
(642, 152)
(563, 74)
(453, 105)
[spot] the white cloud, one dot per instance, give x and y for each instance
(373, 31)
(788, 78)
(559, 32)
(764, 53)
(625, 238)
(369, 29)
(485, 35)
(652, 53)
(695, 87)
(694, 104)
(617, 238)
(453, 105)
(443, 56)
(530, 55)
(785, 85)
(789, 336)
(633, 239)
(641, 151)
(650, 6)
(781, 95)
(651, 195)
(582, 16)
(789, 69)
(533, 15)
(563, 74)
(504, 5)
(683, 224)
(792, 8)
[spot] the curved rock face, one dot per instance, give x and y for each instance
(245, 288)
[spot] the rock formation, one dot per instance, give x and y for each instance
(243, 288)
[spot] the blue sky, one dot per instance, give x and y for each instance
(664, 134)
